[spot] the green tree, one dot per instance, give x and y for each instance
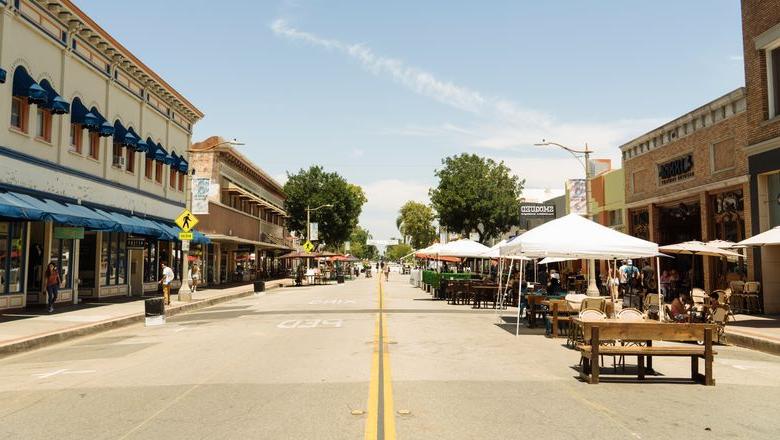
(397, 251)
(415, 221)
(315, 187)
(358, 244)
(476, 194)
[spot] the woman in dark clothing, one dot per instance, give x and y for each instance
(52, 284)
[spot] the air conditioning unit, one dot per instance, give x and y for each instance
(119, 161)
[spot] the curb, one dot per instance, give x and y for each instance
(753, 343)
(46, 339)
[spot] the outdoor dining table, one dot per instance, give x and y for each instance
(480, 289)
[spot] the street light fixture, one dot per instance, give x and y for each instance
(185, 293)
(308, 224)
(579, 155)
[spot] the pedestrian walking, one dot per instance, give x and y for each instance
(167, 278)
(387, 272)
(194, 277)
(52, 285)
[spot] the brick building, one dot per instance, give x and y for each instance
(761, 45)
(688, 180)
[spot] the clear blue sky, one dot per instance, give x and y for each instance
(381, 91)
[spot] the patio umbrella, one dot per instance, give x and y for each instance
(767, 238)
(697, 248)
(721, 244)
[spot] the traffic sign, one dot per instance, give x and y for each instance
(186, 236)
(308, 247)
(186, 220)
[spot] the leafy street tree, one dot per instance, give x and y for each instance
(315, 187)
(358, 244)
(415, 221)
(397, 251)
(476, 194)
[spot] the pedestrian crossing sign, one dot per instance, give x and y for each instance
(308, 247)
(186, 221)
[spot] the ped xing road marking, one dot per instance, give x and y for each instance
(331, 301)
(380, 423)
(311, 323)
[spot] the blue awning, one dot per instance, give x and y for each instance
(132, 224)
(2, 76)
(27, 207)
(81, 115)
(56, 103)
(25, 86)
(141, 145)
(159, 153)
(124, 136)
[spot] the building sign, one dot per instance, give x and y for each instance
(136, 243)
(537, 210)
(578, 203)
(314, 231)
(68, 233)
(675, 170)
(201, 188)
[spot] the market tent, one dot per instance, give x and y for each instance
(296, 254)
(574, 236)
(550, 260)
(463, 248)
(430, 250)
(495, 252)
(722, 244)
(698, 248)
(768, 238)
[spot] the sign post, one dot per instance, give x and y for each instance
(186, 221)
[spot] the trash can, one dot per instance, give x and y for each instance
(154, 309)
(259, 286)
(340, 279)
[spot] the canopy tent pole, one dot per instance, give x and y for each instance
(658, 285)
(500, 277)
(519, 292)
(509, 278)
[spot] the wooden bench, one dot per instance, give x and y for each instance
(597, 332)
(561, 312)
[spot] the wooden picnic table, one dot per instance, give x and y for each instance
(486, 292)
(595, 332)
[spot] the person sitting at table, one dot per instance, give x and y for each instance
(554, 286)
(680, 308)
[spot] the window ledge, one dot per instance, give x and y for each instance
(132, 173)
(17, 130)
(88, 157)
(773, 120)
(75, 153)
(44, 141)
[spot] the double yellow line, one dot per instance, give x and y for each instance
(380, 424)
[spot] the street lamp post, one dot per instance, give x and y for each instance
(308, 225)
(185, 293)
(593, 290)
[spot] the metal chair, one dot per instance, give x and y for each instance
(630, 314)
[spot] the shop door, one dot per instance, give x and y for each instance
(136, 272)
(87, 253)
(35, 263)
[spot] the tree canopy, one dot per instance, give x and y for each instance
(316, 187)
(477, 194)
(415, 221)
(397, 251)
(358, 245)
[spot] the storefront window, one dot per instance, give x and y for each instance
(62, 256)
(728, 218)
(150, 261)
(113, 259)
(11, 257)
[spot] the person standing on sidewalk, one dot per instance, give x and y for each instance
(52, 284)
(167, 278)
(194, 277)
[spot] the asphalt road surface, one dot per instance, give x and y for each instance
(322, 363)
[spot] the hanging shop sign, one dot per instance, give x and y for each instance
(576, 191)
(68, 233)
(537, 210)
(136, 243)
(201, 187)
(675, 170)
(314, 231)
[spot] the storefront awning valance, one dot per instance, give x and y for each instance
(173, 231)
(27, 207)
(157, 151)
(56, 103)
(141, 146)
(25, 86)
(81, 115)
(124, 136)
(184, 166)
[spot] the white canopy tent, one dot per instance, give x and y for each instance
(575, 237)
(550, 260)
(463, 248)
(767, 238)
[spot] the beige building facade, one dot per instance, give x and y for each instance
(92, 158)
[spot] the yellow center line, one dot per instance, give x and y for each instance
(380, 423)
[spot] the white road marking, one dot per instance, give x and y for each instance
(331, 301)
(311, 323)
(61, 371)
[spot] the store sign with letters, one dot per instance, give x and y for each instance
(675, 170)
(537, 210)
(136, 243)
(68, 233)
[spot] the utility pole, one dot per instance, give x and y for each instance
(308, 226)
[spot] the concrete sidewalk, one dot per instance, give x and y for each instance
(28, 330)
(756, 332)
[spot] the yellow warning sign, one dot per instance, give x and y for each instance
(308, 247)
(186, 220)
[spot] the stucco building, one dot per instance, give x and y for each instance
(246, 221)
(92, 165)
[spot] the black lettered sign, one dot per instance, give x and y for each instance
(675, 170)
(136, 243)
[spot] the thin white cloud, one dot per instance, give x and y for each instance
(737, 58)
(385, 198)
(501, 124)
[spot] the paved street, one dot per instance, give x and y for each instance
(303, 363)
